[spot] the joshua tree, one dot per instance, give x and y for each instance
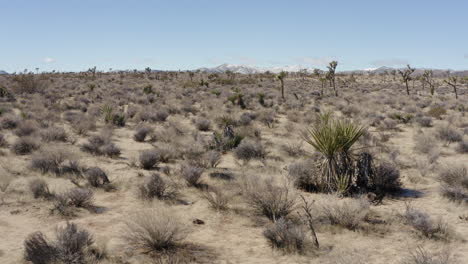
(148, 71)
(406, 76)
(452, 81)
(427, 78)
(331, 75)
(93, 72)
(317, 73)
(323, 80)
(281, 77)
(191, 74)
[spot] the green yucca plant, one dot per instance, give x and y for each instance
(106, 111)
(334, 139)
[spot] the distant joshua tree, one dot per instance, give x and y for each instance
(317, 73)
(191, 74)
(427, 78)
(281, 77)
(452, 81)
(331, 75)
(406, 76)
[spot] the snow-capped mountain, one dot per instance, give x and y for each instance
(249, 69)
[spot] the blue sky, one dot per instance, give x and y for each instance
(72, 35)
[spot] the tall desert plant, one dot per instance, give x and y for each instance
(334, 139)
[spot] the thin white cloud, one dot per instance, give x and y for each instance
(466, 56)
(48, 60)
(389, 62)
(314, 61)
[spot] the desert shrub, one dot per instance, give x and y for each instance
(347, 213)
(96, 177)
(386, 178)
(149, 158)
(423, 256)
(437, 111)
(424, 143)
(166, 153)
(404, 118)
(424, 121)
(9, 122)
(3, 141)
(462, 147)
(156, 187)
(191, 174)
(287, 236)
(425, 225)
(73, 198)
(155, 231)
(217, 199)
(141, 133)
(24, 145)
(212, 158)
(272, 200)
(71, 245)
(49, 160)
(226, 140)
(293, 149)
(304, 175)
(203, 124)
(101, 145)
(334, 140)
(111, 150)
(448, 134)
(26, 128)
(246, 119)
(454, 181)
(84, 124)
(161, 116)
(40, 189)
(248, 150)
(54, 134)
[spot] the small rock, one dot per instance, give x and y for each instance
(198, 222)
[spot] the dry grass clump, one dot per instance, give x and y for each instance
(454, 181)
(71, 245)
(203, 124)
(142, 133)
(421, 255)
(49, 160)
(462, 147)
(269, 199)
(304, 174)
(217, 198)
(348, 213)
(155, 231)
(96, 177)
(74, 198)
(149, 158)
(157, 187)
(287, 236)
(40, 189)
(101, 145)
(26, 128)
(191, 174)
(448, 134)
(24, 145)
(249, 150)
(424, 143)
(425, 225)
(9, 122)
(3, 142)
(56, 134)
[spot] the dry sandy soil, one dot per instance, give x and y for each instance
(420, 136)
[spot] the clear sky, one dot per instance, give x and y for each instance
(72, 35)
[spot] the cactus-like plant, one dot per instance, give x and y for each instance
(331, 75)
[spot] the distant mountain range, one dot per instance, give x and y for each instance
(248, 69)
(3, 72)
